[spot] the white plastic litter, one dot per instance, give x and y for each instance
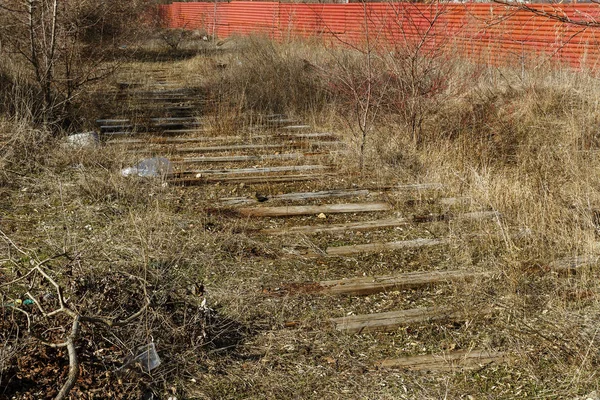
(146, 356)
(155, 167)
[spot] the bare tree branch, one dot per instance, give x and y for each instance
(73, 361)
(63, 308)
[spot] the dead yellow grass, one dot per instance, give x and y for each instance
(523, 144)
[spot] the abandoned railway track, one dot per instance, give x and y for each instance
(291, 202)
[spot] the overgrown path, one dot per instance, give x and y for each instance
(290, 190)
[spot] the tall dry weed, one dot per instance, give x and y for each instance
(269, 77)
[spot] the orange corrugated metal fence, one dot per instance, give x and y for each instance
(496, 32)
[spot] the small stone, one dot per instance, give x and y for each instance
(321, 216)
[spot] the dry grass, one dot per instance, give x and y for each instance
(522, 144)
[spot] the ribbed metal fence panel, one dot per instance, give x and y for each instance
(493, 32)
(262, 17)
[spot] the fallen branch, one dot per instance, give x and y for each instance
(63, 308)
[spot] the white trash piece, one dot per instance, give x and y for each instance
(82, 140)
(154, 167)
(148, 357)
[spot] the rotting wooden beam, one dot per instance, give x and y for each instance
(313, 135)
(343, 227)
(167, 125)
(175, 99)
(233, 148)
(286, 136)
(249, 179)
(375, 224)
(218, 159)
(282, 146)
(160, 92)
(112, 121)
(447, 362)
(382, 246)
(171, 107)
(288, 211)
(115, 127)
(376, 284)
(299, 196)
(198, 129)
(322, 143)
(261, 170)
(167, 140)
(392, 320)
(175, 119)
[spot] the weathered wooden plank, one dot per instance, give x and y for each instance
(376, 284)
(174, 99)
(168, 125)
(174, 119)
(250, 179)
(376, 224)
(148, 98)
(183, 131)
(232, 148)
(179, 108)
(165, 94)
(382, 246)
(311, 195)
(112, 121)
(313, 135)
(115, 127)
(217, 159)
(350, 226)
(299, 196)
(263, 170)
(159, 92)
(174, 140)
(392, 320)
(288, 211)
(290, 136)
(447, 362)
(572, 264)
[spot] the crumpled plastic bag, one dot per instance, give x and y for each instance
(155, 167)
